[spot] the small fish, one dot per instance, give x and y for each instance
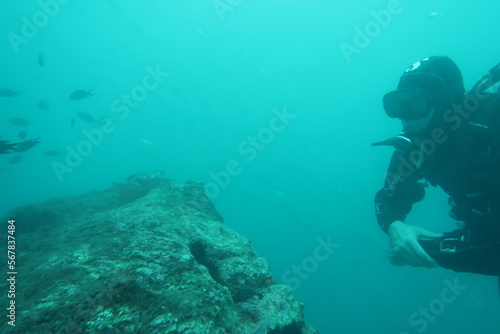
(5, 92)
(15, 159)
(22, 134)
(87, 117)
(72, 122)
(19, 121)
(41, 59)
(26, 145)
(44, 105)
(52, 153)
(81, 94)
(6, 146)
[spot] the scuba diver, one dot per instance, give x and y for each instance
(450, 139)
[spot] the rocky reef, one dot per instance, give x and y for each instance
(150, 255)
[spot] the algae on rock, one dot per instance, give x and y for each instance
(147, 256)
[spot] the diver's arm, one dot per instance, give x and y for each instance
(393, 203)
(395, 200)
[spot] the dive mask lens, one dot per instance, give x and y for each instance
(407, 104)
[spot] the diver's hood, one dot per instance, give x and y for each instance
(436, 76)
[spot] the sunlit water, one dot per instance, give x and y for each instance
(272, 104)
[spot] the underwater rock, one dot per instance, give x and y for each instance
(147, 256)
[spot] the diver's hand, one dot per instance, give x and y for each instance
(404, 246)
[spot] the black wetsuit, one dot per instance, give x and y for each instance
(466, 165)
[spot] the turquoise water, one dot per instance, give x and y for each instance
(272, 104)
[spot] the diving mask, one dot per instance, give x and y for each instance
(407, 104)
